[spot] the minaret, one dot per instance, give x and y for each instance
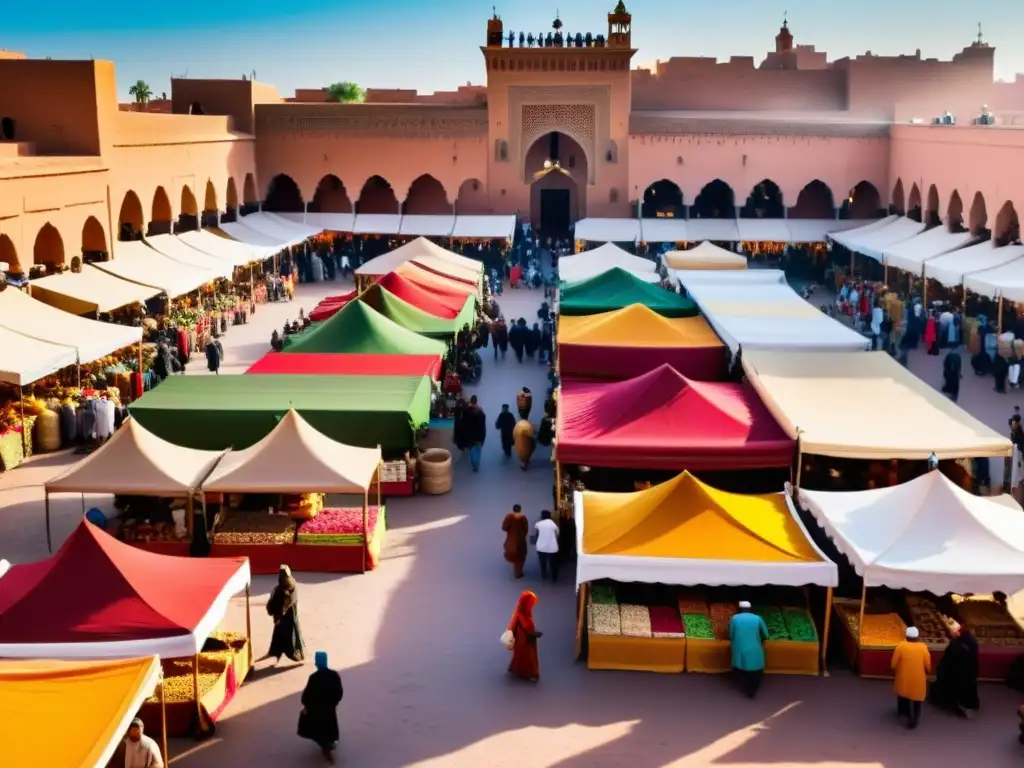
(495, 30)
(619, 22)
(784, 40)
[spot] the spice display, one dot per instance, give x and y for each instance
(178, 680)
(799, 625)
(602, 593)
(338, 526)
(989, 621)
(635, 620)
(883, 630)
(666, 621)
(721, 613)
(698, 626)
(255, 528)
(604, 620)
(774, 621)
(930, 623)
(691, 603)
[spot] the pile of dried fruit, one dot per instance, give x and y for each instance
(603, 593)
(635, 620)
(774, 621)
(881, 630)
(604, 620)
(799, 625)
(337, 526)
(178, 681)
(990, 622)
(721, 613)
(255, 528)
(666, 622)
(691, 603)
(698, 626)
(221, 641)
(929, 621)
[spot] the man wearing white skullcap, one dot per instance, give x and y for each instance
(747, 633)
(911, 665)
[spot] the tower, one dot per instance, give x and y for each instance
(619, 22)
(495, 30)
(784, 40)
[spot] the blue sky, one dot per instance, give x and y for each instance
(431, 45)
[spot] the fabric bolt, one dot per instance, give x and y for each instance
(358, 328)
(616, 289)
(312, 363)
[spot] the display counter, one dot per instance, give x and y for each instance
(708, 656)
(636, 654)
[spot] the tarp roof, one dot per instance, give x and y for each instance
(661, 420)
(427, 254)
(483, 227)
(376, 224)
(251, 237)
(328, 222)
(663, 230)
(583, 266)
(92, 290)
(919, 420)
(617, 288)
(97, 597)
(358, 328)
(295, 458)
(926, 535)
(137, 262)
(433, 302)
(911, 255)
(413, 318)
(875, 242)
(224, 248)
(608, 230)
(286, 224)
(712, 229)
(24, 359)
(427, 226)
(728, 276)
(318, 363)
(1006, 280)
(284, 231)
(330, 306)
(685, 532)
(705, 256)
(817, 230)
(92, 701)
(138, 463)
(845, 236)
(91, 338)
(218, 412)
(763, 230)
(449, 290)
(183, 253)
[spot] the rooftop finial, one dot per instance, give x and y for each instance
(980, 39)
(785, 19)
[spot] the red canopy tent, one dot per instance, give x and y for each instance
(447, 290)
(100, 598)
(309, 363)
(662, 420)
(419, 297)
(330, 305)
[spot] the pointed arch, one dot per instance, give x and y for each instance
(472, 198)
(1007, 226)
(977, 220)
(9, 255)
(898, 204)
(94, 238)
(331, 196)
(48, 249)
(814, 201)
(189, 206)
(914, 204)
(232, 195)
(955, 213)
(862, 202)
(210, 198)
(662, 198)
(716, 200)
(764, 201)
(933, 215)
(249, 196)
(284, 195)
(130, 219)
(376, 196)
(161, 208)
(426, 197)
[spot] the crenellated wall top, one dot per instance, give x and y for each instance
(397, 120)
(753, 124)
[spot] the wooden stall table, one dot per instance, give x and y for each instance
(636, 654)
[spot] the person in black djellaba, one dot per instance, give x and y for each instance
(318, 720)
(283, 608)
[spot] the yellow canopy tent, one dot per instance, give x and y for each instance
(705, 256)
(70, 714)
(636, 326)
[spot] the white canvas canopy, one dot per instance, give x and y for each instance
(803, 391)
(705, 256)
(976, 261)
(484, 227)
(583, 266)
(729, 276)
(92, 290)
(818, 230)
(427, 226)
(137, 262)
(1006, 280)
(231, 251)
(90, 338)
(24, 360)
(284, 232)
(911, 255)
(377, 224)
(926, 535)
(182, 253)
(251, 237)
(847, 236)
(327, 222)
(712, 229)
(430, 255)
(874, 243)
(763, 230)
(138, 463)
(664, 231)
(608, 230)
(295, 458)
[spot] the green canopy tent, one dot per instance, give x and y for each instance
(219, 412)
(616, 289)
(359, 329)
(415, 319)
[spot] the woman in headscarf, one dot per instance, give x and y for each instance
(525, 663)
(318, 720)
(956, 680)
(283, 607)
(952, 367)
(931, 335)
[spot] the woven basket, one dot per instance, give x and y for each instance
(435, 471)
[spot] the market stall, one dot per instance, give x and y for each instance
(484, 227)
(928, 536)
(99, 598)
(235, 253)
(601, 230)
(359, 329)
(330, 306)
(636, 339)
(662, 420)
(616, 289)
(181, 252)
(136, 262)
(91, 703)
(434, 302)
(446, 289)
(588, 264)
(89, 292)
(429, 256)
(296, 460)
(135, 462)
(685, 533)
(705, 256)
(219, 412)
(326, 364)
(415, 319)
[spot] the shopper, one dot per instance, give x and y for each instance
(516, 528)
(748, 633)
(476, 432)
(318, 720)
(140, 751)
(546, 544)
(524, 402)
(505, 424)
(956, 679)
(525, 663)
(283, 607)
(524, 437)
(911, 664)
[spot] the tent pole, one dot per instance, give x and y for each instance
(163, 717)
(924, 290)
(558, 489)
(1000, 322)
(963, 294)
(885, 273)
(49, 543)
(824, 636)
(189, 512)
(799, 465)
(860, 621)
(195, 688)
(24, 426)
(248, 623)
(366, 526)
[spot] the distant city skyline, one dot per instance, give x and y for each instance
(431, 46)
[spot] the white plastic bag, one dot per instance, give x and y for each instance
(508, 640)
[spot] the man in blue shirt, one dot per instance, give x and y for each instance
(747, 633)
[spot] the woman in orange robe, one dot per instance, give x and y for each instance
(525, 663)
(516, 528)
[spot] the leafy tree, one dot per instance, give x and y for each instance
(141, 91)
(345, 93)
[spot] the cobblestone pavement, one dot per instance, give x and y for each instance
(416, 643)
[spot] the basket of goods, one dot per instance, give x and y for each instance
(932, 627)
(255, 528)
(304, 507)
(774, 620)
(179, 685)
(666, 622)
(603, 619)
(721, 614)
(435, 470)
(698, 626)
(989, 621)
(881, 630)
(799, 625)
(338, 526)
(635, 620)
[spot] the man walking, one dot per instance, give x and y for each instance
(476, 432)
(748, 633)
(911, 665)
(505, 425)
(546, 532)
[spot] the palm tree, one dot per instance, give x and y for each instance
(346, 93)
(141, 91)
